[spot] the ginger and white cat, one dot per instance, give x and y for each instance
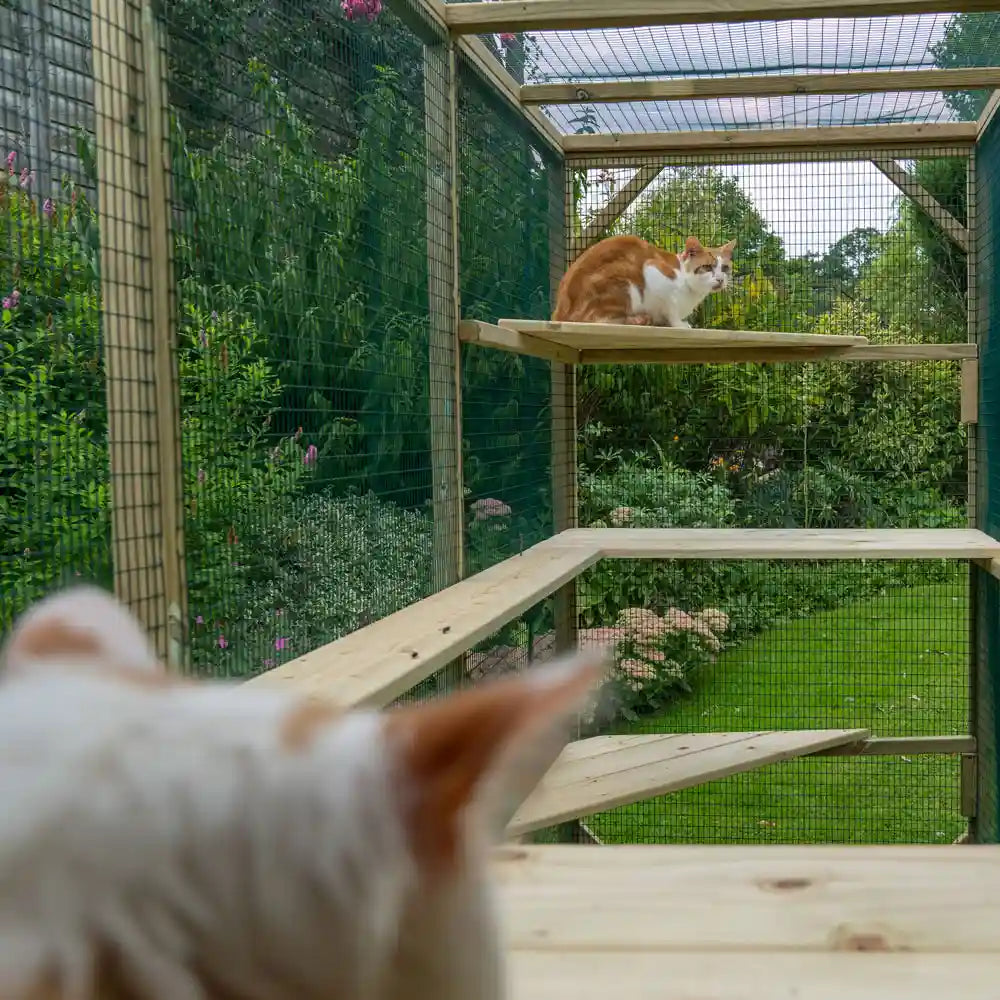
(625, 279)
(163, 839)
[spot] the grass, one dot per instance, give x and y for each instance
(897, 665)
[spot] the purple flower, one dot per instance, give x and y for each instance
(490, 507)
(310, 456)
(280, 643)
(48, 208)
(199, 620)
(356, 9)
(268, 663)
(11, 157)
(13, 300)
(26, 178)
(222, 642)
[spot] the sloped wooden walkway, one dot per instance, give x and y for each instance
(602, 772)
(747, 923)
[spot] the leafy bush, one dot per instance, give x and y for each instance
(327, 566)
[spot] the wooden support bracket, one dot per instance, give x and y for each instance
(925, 201)
(616, 207)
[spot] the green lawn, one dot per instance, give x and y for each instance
(896, 664)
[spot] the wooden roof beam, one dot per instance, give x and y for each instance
(960, 135)
(770, 85)
(487, 16)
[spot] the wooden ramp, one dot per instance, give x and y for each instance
(742, 923)
(602, 772)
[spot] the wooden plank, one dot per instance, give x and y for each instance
(563, 418)
(378, 663)
(890, 746)
(925, 201)
(986, 116)
(970, 392)
(968, 794)
(127, 315)
(572, 975)
(785, 543)
(603, 772)
(954, 135)
(474, 331)
(760, 85)
(170, 480)
(486, 16)
(444, 312)
(824, 901)
(972, 327)
(597, 228)
(608, 336)
(990, 565)
(719, 355)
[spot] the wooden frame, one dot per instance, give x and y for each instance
(545, 15)
(924, 200)
(137, 319)
(617, 205)
(961, 135)
(770, 85)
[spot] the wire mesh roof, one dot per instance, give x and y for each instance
(829, 45)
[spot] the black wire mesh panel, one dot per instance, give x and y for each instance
(988, 596)
(314, 257)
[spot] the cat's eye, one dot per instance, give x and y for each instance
(727, 268)
(703, 268)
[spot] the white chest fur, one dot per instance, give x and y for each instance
(667, 300)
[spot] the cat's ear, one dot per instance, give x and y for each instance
(726, 250)
(692, 245)
(476, 755)
(83, 626)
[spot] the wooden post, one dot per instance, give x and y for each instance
(564, 486)
(444, 302)
(137, 318)
(35, 16)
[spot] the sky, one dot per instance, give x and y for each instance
(809, 205)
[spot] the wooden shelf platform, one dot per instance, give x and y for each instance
(732, 923)
(602, 772)
(784, 543)
(583, 343)
(380, 662)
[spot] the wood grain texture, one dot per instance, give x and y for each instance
(597, 228)
(785, 543)
(742, 923)
(770, 85)
(954, 135)
(603, 772)
(487, 16)
(376, 664)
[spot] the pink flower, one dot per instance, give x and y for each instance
(222, 642)
(356, 9)
(26, 178)
(199, 620)
(310, 456)
(280, 643)
(48, 208)
(268, 663)
(507, 38)
(13, 300)
(490, 507)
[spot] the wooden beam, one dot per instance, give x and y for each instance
(132, 321)
(970, 392)
(170, 479)
(770, 85)
(488, 66)
(617, 205)
(888, 746)
(487, 17)
(444, 312)
(474, 331)
(986, 116)
(960, 135)
(925, 201)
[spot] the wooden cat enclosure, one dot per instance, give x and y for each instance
(607, 125)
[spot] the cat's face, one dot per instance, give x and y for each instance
(326, 855)
(708, 268)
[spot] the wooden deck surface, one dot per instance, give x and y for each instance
(752, 923)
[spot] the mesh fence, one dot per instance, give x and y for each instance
(987, 592)
(827, 246)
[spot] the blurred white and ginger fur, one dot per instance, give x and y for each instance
(163, 839)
